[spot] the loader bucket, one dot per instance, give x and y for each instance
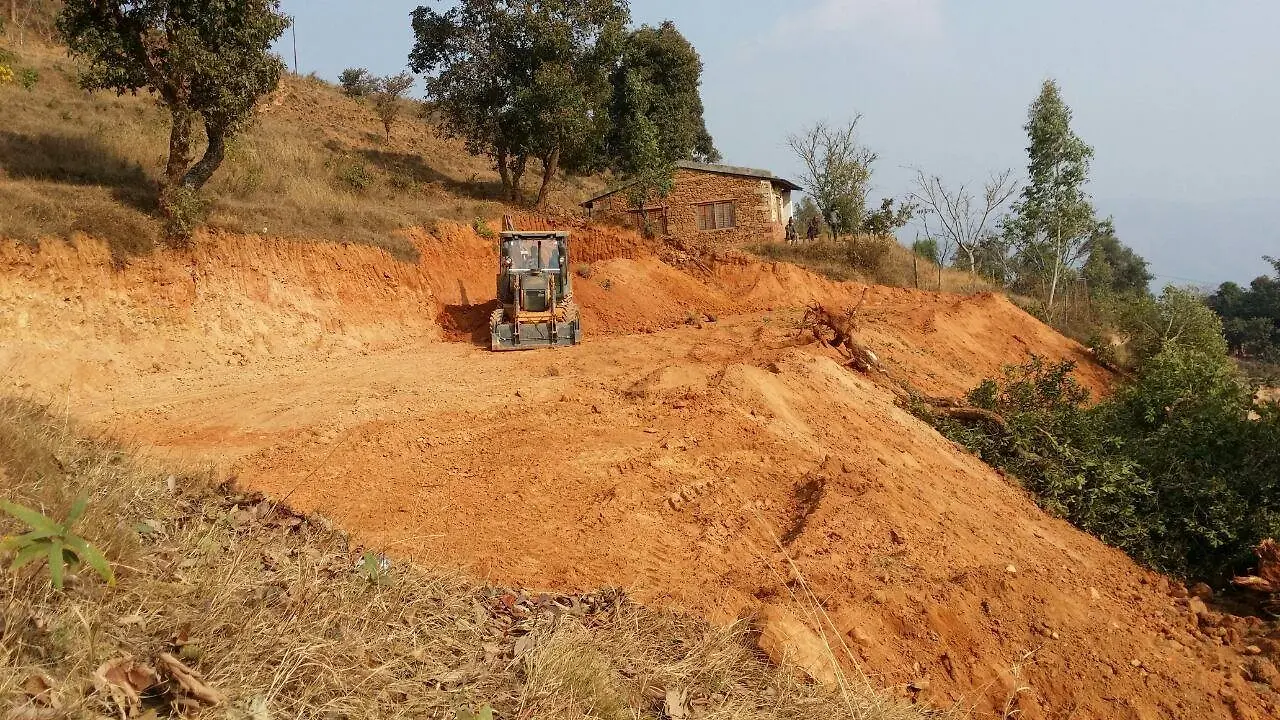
(534, 335)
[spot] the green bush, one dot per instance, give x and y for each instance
(28, 78)
(1179, 468)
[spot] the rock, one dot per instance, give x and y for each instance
(1012, 569)
(1202, 591)
(1253, 650)
(1197, 607)
(1178, 590)
(787, 639)
(1262, 670)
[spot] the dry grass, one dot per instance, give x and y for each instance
(873, 260)
(315, 165)
(276, 611)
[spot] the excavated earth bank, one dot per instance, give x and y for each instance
(703, 465)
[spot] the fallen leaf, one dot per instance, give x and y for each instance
(125, 680)
(189, 680)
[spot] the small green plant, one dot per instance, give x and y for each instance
(355, 176)
(374, 568)
(484, 713)
(184, 210)
(28, 78)
(482, 229)
(63, 549)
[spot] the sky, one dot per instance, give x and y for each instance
(1179, 98)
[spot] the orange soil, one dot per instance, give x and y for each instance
(682, 462)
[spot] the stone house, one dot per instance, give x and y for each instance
(709, 205)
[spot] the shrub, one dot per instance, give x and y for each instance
(184, 211)
(6, 75)
(1178, 468)
(483, 230)
(354, 175)
(28, 78)
(357, 82)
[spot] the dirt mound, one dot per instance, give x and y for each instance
(688, 464)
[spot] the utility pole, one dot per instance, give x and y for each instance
(293, 28)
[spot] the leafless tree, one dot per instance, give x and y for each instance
(956, 217)
(837, 173)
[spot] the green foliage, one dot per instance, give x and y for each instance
(1112, 268)
(374, 568)
(837, 173)
(888, 218)
(1252, 316)
(28, 78)
(656, 110)
(483, 230)
(387, 97)
(357, 82)
(926, 248)
(1179, 468)
(55, 542)
(353, 175)
(206, 60)
(1052, 222)
(1178, 318)
(185, 210)
(484, 713)
(523, 80)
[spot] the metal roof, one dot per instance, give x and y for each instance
(734, 170)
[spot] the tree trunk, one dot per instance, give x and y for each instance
(504, 171)
(179, 146)
(214, 154)
(549, 167)
(517, 173)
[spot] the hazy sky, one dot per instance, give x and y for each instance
(1180, 98)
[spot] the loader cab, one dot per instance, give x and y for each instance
(535, 292)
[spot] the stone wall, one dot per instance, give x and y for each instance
(760, 211)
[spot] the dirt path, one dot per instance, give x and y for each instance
(689, 465)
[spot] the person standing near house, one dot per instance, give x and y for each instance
(792, 237)
(814, 230)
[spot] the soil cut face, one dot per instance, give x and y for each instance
(702, 465)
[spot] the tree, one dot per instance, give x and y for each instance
(207, 60)
(1053, 220)
(1251, 316)
(656, 110)
(889, 218)
(521, 81)
(837, 173)
(958, 217)
(1114, 269)
(929, 249)
(806, 212)
(387, 96)
(357, 82)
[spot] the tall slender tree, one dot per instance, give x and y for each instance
(1053, 220)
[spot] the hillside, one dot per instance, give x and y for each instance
(321, 342)
(315, 165)
(688, 463)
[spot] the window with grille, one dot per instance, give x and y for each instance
(717, 216)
